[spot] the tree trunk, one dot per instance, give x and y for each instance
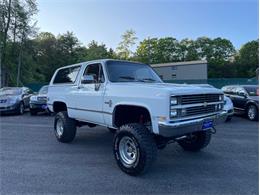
(19, 68)
(6, 28)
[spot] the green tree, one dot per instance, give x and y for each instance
(248, 59)
(95, 51)
(17, 25)
(128, 41)
(188, 50)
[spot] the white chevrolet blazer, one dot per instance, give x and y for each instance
(134, 103)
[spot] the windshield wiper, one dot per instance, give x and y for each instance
(127, 78)
(147, 79)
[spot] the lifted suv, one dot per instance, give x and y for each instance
(131, 100)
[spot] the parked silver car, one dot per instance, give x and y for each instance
(14, 99)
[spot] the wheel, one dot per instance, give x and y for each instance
(229, 118)
(64, 127)
(33, 112)
(112, 130)
(20, 109)
(252, 113)
(134, 149)
(196, 141)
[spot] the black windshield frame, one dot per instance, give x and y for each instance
(156, 78)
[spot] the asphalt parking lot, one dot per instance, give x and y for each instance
(33, 162)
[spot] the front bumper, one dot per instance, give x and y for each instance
(176, 129)
(38, 107)
(9, 108)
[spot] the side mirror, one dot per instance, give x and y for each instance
(87, 79)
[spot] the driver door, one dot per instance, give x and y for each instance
(90, 95)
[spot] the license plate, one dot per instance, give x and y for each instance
(207, 125)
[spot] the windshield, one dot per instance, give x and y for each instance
(10, 91)
(252, 90)
(120, 71)
(43, 90)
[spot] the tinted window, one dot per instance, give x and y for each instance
(67, 75)
(240, 90)
(252, 90)
(120, 71)
(228, 89)
(10, 91)
(96, 71)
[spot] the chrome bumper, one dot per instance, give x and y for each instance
(175, 129)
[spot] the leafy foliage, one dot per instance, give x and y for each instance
(27, 55)
(124, 47)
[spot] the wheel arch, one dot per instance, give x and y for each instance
(59, 106)
(132, 108)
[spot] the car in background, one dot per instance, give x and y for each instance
(38, 102)
(14, 99)
(245, 99)
(229, 108)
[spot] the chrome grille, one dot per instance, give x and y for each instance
(42, 99)
(197, 110)
(188, 106)
(201, 98)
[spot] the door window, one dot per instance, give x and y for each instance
(96, 71)
(67, 75)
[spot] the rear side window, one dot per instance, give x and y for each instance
(67, 75)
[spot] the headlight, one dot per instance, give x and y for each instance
(33, 98)
(174, 113)
(174, 101)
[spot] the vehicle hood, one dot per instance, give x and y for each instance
(4, 97)
(9, 99)
(175, 89)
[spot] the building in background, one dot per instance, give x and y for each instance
(192, 70)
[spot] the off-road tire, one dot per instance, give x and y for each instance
(200, 140)
(252, 108)
(145, 147)
(69, 127)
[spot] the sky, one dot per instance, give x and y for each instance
(106, 20)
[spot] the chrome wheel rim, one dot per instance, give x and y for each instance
(128, 151)
(251, 112)
(59, 128)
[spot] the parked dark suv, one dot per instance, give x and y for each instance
(245, 99)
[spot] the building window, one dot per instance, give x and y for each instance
(173, 76)
(161, 76)
(174, 68)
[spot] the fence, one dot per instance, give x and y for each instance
(218, 83)
(215, 82)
